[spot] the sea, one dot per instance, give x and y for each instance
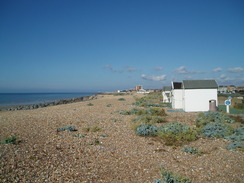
(8, 99)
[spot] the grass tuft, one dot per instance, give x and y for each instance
(10, 140)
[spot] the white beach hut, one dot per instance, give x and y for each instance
(167, 94)
(197, 94)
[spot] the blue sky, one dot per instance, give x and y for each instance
(106, 45)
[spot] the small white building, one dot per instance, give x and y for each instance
(222, 89)
(176, 95)
(197, 95)
(194, 95)
(166, 94)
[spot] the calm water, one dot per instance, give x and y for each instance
(36, 98)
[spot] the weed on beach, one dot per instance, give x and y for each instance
(153, 111)
(149, 119)
(121, 99)
(92, 129)
(190, 150)
(67, 128)
(10, 140)
(171, 177)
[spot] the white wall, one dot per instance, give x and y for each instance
(196, 100)
(166, 99)
(177, 99)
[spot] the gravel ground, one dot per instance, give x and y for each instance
(112, 154)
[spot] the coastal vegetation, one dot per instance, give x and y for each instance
(10, 140)
(150, 119)
(171, 177)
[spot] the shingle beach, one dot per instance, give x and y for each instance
(104, 148)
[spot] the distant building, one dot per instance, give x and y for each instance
(142, 91)
(231, 89)
(239, 88)
(138, 87)
(222, 89)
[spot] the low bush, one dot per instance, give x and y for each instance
(157, 111)
(68, 128)
(134, 112)
(176, 133)
(151, 111)
(215, 125)
(148, 119)
(217, 117)
(121, 99)
(114, 120)
(190, 150)
(90, 104)
(217, 130)
(146, 130)
(92, 129)
(237, 139)
(170, 177)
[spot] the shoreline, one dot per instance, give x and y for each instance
(47, 104)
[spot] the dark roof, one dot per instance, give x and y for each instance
(199, 84)
(167, 88)
(177, 85)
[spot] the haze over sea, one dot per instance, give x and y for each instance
(36, 98)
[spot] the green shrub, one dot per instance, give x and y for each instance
(146, 130)
(92, 129)
(148, 119)
(170, 177)
(10, 140)
(176, 133)
(236, 146)
(68, 128)
(134, 112)
(157, 111)
(151, 111)
(217, 130)
(237, 139)
(90, 104)
(217, 117)
(191, 150)
(121, 99)
(114, 120)
(150, 100)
